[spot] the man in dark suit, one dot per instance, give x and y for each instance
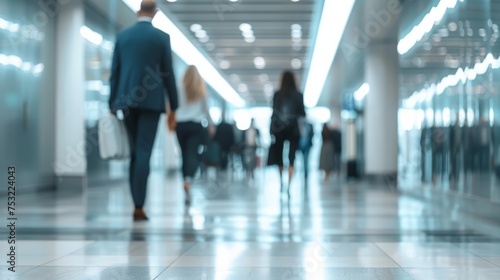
(142, 77)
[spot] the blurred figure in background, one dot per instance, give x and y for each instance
(326, 161)
(288, 107)
(191, 134)
(224, 136)
(337, 149)
(305, 144)
(251, 143)
(456, 139)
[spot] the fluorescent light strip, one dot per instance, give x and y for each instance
(331, 27)
(192, 56)
(433, 18)
(91, 36)
(96, 38)
(462, 75)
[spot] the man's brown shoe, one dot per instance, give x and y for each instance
(139, 215)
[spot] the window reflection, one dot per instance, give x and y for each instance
(99, 35)
(16, 61)
(456, 95)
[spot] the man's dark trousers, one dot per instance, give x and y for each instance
(141, 127)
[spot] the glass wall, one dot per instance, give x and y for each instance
(450, 112)
(27, 97)
(99, 36)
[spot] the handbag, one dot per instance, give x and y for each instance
(113, 138)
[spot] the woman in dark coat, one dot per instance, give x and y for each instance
(288, 111)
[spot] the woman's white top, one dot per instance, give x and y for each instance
(191, 111)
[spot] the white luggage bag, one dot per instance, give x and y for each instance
(113, 138)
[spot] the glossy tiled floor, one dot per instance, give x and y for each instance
(245, 229)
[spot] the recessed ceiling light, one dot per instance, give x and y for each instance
(296, 33)
(224, 64)
(245, 26)
(195, 27)
(452, 26)
(171, 1)
(264, 77)
(296, 63)
(243, 88)
(200, 33)
(204, 39)
(233, 0)
(260, 62)
(294, 0)
(247, 33)
(250, 39)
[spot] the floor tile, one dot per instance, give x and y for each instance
(453, 273)
(273, 261)
(113, 261)
(196, 273)
(329, 273)
(86, 273)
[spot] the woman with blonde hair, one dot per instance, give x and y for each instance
(193, 109)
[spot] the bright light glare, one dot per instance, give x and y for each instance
(319, 114)
(461, 76)
(192, 56)
(16, 61)
(91, 36)
(9, 26)
(260, 62)
(134, 5)
(332, 24)
(406, 118)
(362, 92)
(215, 114)
(433, 18)
(242, 118)
(195, 27)
(96, 38)
(38, 69)
(296, 63)
(245, 27)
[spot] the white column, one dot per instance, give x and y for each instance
(70, 91)
(381, 113)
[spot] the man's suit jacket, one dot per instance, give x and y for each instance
(142, 74)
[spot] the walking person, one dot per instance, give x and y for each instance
(250, 145)
(326, 160)
(305, 144)
(142, 78)
(225, 138)
(337, 149)
(193, 110)
(288, 107)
